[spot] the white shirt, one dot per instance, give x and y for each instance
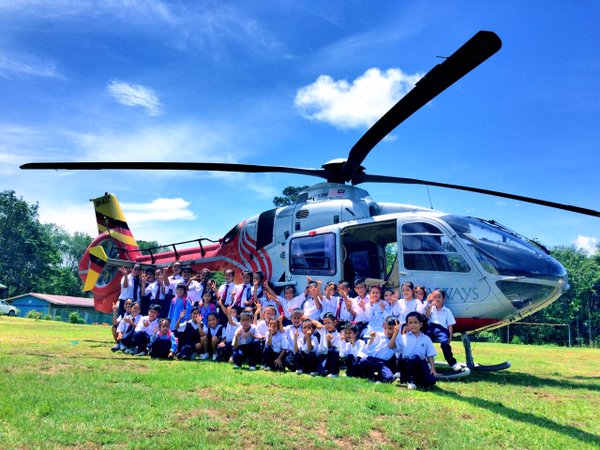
(231, 329)
(245, 336)
(290, 305)
(328, 305)
(279, 342)
(290, 331)
(408, 307)
(443, 317)
(412, 345)
(380, 348)
(153, 289)
(303, 344)
(310, 308)
(336, 341)
(362, 316)
(194, 291)
(374, 314)
(230, 288)
(357, 349)
(127, 292)
(262, 329)
(150, 329)
(122, 327)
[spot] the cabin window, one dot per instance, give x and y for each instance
(426, 247)
(313, 255)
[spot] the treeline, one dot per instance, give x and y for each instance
(37, 257)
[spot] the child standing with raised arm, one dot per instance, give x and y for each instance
(179, 303)
(418, 353)
(441, 324)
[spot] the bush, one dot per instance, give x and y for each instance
(516, 340)
(33, 314)
(74, 317)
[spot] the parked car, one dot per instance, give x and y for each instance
(5, 308)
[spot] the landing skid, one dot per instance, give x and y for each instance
(447, 374)
(471, 364)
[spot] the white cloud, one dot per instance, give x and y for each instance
(158, 210)
(72, 217)
(357, 104)
(588, 244)
(15, 65)
(135, 95)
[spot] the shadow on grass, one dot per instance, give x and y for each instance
(526, 379)
(525, 417)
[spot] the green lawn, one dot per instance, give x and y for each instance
(62, 387)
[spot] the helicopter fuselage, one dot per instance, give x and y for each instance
(334, 232)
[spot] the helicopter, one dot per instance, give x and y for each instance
(336, 231)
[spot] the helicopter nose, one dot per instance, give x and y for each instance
(528, 294)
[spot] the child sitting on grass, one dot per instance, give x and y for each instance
(305, 349)
(417, 365)
(245, 343)
(163, 343)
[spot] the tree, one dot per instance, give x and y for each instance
(290, 195)
(29, 253)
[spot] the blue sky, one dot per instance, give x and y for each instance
(297, 83)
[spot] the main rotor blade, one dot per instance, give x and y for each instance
(205, 166)
(363, 178)
(475, 51)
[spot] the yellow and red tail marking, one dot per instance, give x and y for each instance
(110, 218)
(98, 260)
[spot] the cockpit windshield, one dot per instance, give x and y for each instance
(501, 252)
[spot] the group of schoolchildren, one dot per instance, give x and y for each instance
(377, 334)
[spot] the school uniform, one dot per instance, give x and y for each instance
(127, 330)
(279, 342)
(375, 316)
(416, 349)
(379, 365)
(343, 314)
(243, 296)
(289, 306)
(225, 352)
(144, 330)
(328, 305)
(248, 348)
(329, 355)
(205, 310)
(216, 332)
(305, 359)
(310, 309)
(194, 291)
(437, 330)
(224, 293)
(289, 331)
(189, 337)
(409, 306)
(351, 355)
(161, 345)
(132, 291)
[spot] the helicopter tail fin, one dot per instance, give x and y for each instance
(111, 220)
(98, 260)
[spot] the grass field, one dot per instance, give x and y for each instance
(62, 387)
